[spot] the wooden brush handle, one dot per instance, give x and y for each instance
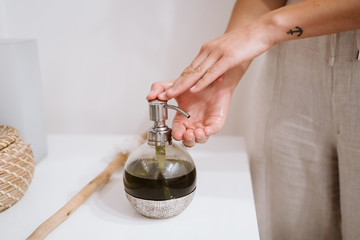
(61, 215)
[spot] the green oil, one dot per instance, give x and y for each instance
(144, 179)
(160, 157)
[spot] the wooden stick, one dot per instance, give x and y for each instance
(60, 216)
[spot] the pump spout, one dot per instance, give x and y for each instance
(177, 109)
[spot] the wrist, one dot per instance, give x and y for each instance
(266, 31)
(232, 77)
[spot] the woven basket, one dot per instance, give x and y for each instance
(16, 167)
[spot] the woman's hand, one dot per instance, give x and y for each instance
(217, 57)
(208, 108)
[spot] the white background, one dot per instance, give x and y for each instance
(98, 58)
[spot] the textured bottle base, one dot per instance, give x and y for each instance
(160, 209)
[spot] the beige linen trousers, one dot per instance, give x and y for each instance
(304, 140)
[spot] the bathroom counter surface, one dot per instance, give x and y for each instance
(223, 206)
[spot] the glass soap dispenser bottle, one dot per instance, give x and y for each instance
(160, 176)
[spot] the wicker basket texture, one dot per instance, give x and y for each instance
(16, 167)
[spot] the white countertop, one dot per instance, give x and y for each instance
(223, 206)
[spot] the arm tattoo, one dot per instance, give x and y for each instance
(298, 30)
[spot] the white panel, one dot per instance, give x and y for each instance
(21, 102)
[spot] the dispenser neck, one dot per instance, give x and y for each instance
(159, 124)
(159, 136)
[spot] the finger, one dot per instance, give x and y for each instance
(200, 136)
(211, 130)
(214, 72)
(202, 55)
(189, 138)
(157, 88)
(163, 96)
(199, 58)
(178, 130)
(191, 75)
(205, 50)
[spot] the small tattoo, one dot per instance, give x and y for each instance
(298, 30)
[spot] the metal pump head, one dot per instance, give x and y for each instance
(160, 133)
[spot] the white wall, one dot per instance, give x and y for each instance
(98, 58)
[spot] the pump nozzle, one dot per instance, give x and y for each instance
(177, 109)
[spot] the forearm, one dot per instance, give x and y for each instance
(246, 11)
(309, 18)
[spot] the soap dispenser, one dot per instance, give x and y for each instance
(160, 176)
